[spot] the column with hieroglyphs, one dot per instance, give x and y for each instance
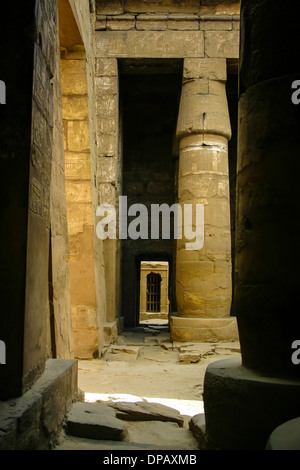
(203, 275)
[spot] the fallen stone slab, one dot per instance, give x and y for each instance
(95, 421)
(144, 411)
(189, 357)
(194, 353)
(122, 353)
(198, 427)
(115, 349)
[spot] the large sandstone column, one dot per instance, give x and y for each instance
(246, 400)
(203, 276)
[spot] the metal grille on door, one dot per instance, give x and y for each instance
(153, 292)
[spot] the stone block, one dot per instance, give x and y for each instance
(144, 411)
(216, 25)
(106, 67)
(85, 330)
(113, 7)
(222, 44)
(110, 332)
(198, 428)
(120, 23)
(203, 329)
(139, 44)
(77, 166)
(106, 193)
(78, 192)
(106, 145)
(107, 125)
(78, 216)
(152, 22)
(100, 23)
(157, 6)
(107, 105)
(183, 22)
(106, 169)
(78, 137)
(73, 77)
(75, 108)
(95, 421)
(211, 69)
(106, 85)
(122, 353)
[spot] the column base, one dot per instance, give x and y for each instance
(203, 329)
(242, 408)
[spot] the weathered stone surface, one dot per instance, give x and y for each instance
(183, 22)
(95, 421)
(73, 77)
(150, 44)
(122, 22)
(203, 329)
(106, 67)
(206, 68)
(152, 22)
(190, 357)
(216, 25)
(144, 411)
(157, 6)
(222, 44)
(195, 352)
(115, 349)
(32, 421)
(118, 352)
(197, 426)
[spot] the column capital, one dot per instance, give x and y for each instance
(203, 108)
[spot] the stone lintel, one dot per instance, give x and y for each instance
(203, 329)
(141, 44)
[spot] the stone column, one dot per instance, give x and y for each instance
(245, 400)
(203, 276)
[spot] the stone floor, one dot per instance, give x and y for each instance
(144, 366)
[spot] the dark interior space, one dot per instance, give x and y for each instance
(232, 97)
(149, 100)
